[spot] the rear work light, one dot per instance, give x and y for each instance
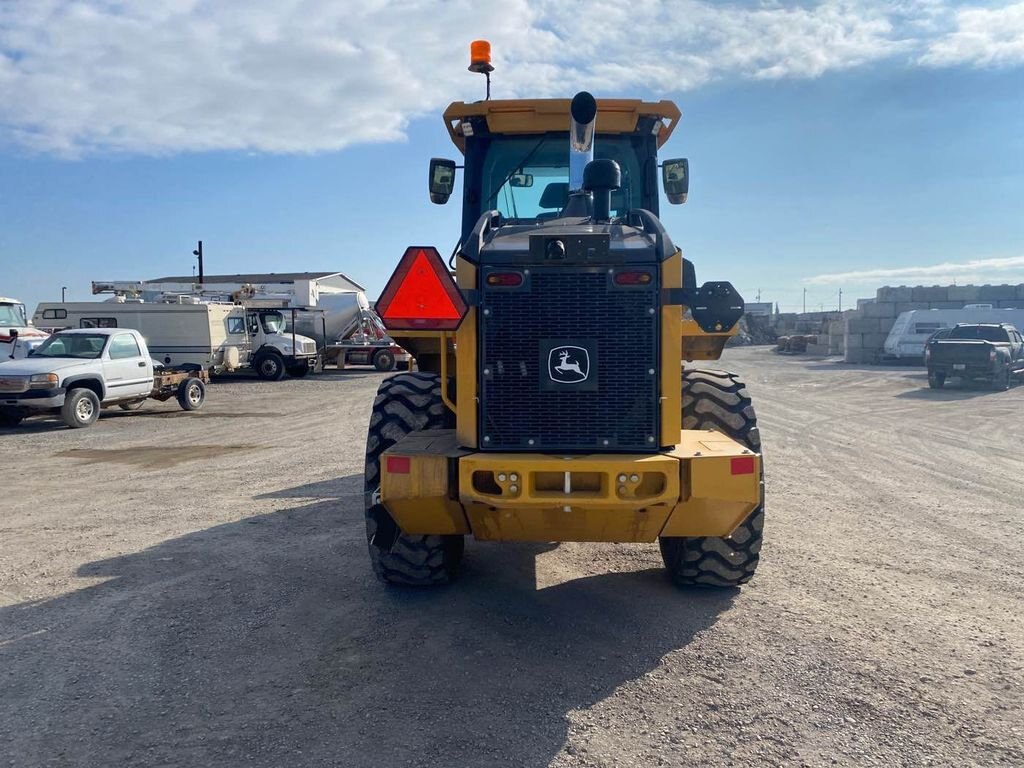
(505, 279)
(421, 295)
(633, 277)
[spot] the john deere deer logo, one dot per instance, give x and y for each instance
(568, 365)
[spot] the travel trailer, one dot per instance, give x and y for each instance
(17, 336)
(215, 337)
(911, 330)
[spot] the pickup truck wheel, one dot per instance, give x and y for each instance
(718, 400)
(384, 360)
(936, 380)
(81, 408)
(133, 405)
(1001, 382)
(408, 402)
(191, 394)
(269, 366)
(10, 417)
(298, 371)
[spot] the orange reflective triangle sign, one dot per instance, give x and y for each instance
(421, 295)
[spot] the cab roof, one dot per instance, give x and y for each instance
(511, 116)
(93, 331)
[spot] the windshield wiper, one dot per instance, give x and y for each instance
(515, 168)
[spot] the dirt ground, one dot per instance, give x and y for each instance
(193, 589)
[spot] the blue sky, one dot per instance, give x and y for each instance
(832, 145)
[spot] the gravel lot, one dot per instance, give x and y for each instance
(193, 589)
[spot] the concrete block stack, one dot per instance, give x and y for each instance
(836, 337)
(866, 330)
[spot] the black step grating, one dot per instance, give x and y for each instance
(616, 410)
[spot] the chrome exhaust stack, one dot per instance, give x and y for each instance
(582, 118)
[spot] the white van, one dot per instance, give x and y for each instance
(911, 330)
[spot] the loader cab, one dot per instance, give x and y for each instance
(526, 177)
(517, 157)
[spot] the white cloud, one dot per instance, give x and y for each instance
(150, 77)
(1010, 269)
(983, 38)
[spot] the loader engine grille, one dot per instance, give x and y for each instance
(569, 361)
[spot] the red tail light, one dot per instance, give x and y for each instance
(505, 279)
(633, 277)
(421, 295)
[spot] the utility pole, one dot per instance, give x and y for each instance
(758, 295)
(805, 301)
(840, 299)
(199, 253)
(63, 293)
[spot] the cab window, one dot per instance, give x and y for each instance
(124, 346)
(98, 322)
(236, 325)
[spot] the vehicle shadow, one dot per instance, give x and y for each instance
(268, 642)
(962, 391)
(248, 377)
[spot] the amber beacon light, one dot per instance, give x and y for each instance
(480, 61)
(480, 57)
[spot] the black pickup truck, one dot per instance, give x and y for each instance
(993, 352)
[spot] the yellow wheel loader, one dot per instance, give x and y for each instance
(554, 398)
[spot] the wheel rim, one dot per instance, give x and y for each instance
(84, 409)
(194, 394)
(269, 367)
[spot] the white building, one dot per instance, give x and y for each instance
(296, 289)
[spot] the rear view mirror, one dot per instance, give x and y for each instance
(442, 179)
(675, 178)
(520, 180)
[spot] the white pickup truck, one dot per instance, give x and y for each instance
(77, 372)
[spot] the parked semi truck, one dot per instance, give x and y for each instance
(75, 373)
(216, 337)
(17, 336)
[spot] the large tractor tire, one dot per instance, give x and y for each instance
(718, 400)
(405, 403)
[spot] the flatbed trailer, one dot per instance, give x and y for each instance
(188, 386)
(382, 355)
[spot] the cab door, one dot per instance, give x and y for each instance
(126, 371)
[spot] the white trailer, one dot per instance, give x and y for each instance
(214, 337)
(911, 330)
